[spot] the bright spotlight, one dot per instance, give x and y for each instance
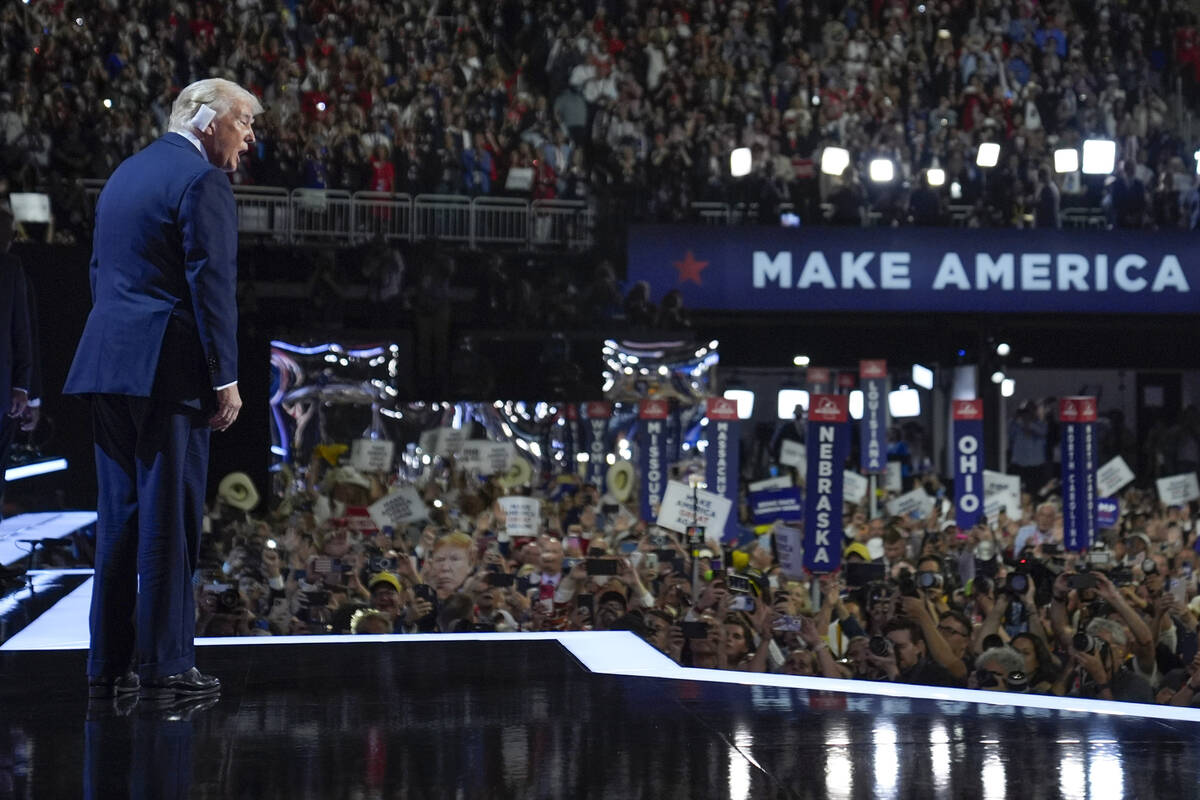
(744, 399)
(856, 404)
(922, 376)
(834, 160)
(988, 155)
(956, 191)
(882, 170)
(801, 361)
(1196, 155)
(936, 177)
(904, 403)
(998, 377)
(1066, 160)
(1007, 387)
(107, 102)
(739, 162)
(1099, 156)
(1003, 349)
(788, 400)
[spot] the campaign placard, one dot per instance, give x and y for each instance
(967, 421)
(1178, 489)
(485, 457)
(854, 487)
(874, 425)
(1108, 512)
(770, 505)
(1078, 418)
(793, 454)
(894, 480)
(780, 482)
(711, 511)
(443, 442)
(721, 450)
(372, 455)
(918, 502)
(1112, 477)
(817, 378)
(523, 515)
(652, 454)
(828, 440)
(1001, 491)
(400, 507)
(789, 544)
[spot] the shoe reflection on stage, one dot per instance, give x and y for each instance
(140, 748)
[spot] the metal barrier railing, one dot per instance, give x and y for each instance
(441, 216)
(562, 223)
(382, 214)
(320, 214)
(263, 211)
(499, 220)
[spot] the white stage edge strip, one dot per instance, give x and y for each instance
(65, 627)
(37, 468)
(40, 525)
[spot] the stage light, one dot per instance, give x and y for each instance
(1099, 156)
(744, 399)
(1066, 160)
(882, 170)
(922, 376)
(988, 155)
(956, 191)
(904, 403)
(1003, 349)
(856, 404)
(834, 160)
(320, 105)
(107, 102)
(788, 400)
(1196, 155)
(1007, 387)
(739, 162)
(998, 376)
(801, 361)
(936, 177)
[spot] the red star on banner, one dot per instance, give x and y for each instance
(690, 269)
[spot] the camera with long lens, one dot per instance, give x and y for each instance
(1149, 567)
(229, 600)
(1017, 681)
(929, 580)
(881, 646)
(1086, 643)
(908, 586)
(985, 559)
(1016, 584)
(381, 564)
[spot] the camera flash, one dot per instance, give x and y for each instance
(271, 544)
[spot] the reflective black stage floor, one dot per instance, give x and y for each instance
(524, 719)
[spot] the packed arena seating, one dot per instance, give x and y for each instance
(998, 606)
(632, 106)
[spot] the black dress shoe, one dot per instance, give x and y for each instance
(184, 684)
(113, 687)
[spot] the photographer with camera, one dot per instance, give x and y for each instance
(1098, 667)
(902, 656)
(1142, 646)
(1000, 669)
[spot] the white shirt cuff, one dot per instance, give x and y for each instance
(226, 386)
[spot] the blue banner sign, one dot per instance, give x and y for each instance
(652, 454)
(1108, 512)
(721, 454)
(1078, 418)
(873, 450)
(598, 415)
(827, 439)
(968, 463)
(906, 269)
(770, 505)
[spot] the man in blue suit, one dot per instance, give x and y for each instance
(158, 360)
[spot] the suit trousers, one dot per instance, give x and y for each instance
(151, 469)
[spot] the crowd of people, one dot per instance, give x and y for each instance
(999, 606)
(634, 104)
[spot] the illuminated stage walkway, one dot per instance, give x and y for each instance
(556, 715)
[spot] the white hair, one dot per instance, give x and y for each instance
(1114, 629)
(216, 93)
(1006, 658)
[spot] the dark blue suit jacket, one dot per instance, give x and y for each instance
(164, 280)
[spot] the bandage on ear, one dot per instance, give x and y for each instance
(204, 116)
